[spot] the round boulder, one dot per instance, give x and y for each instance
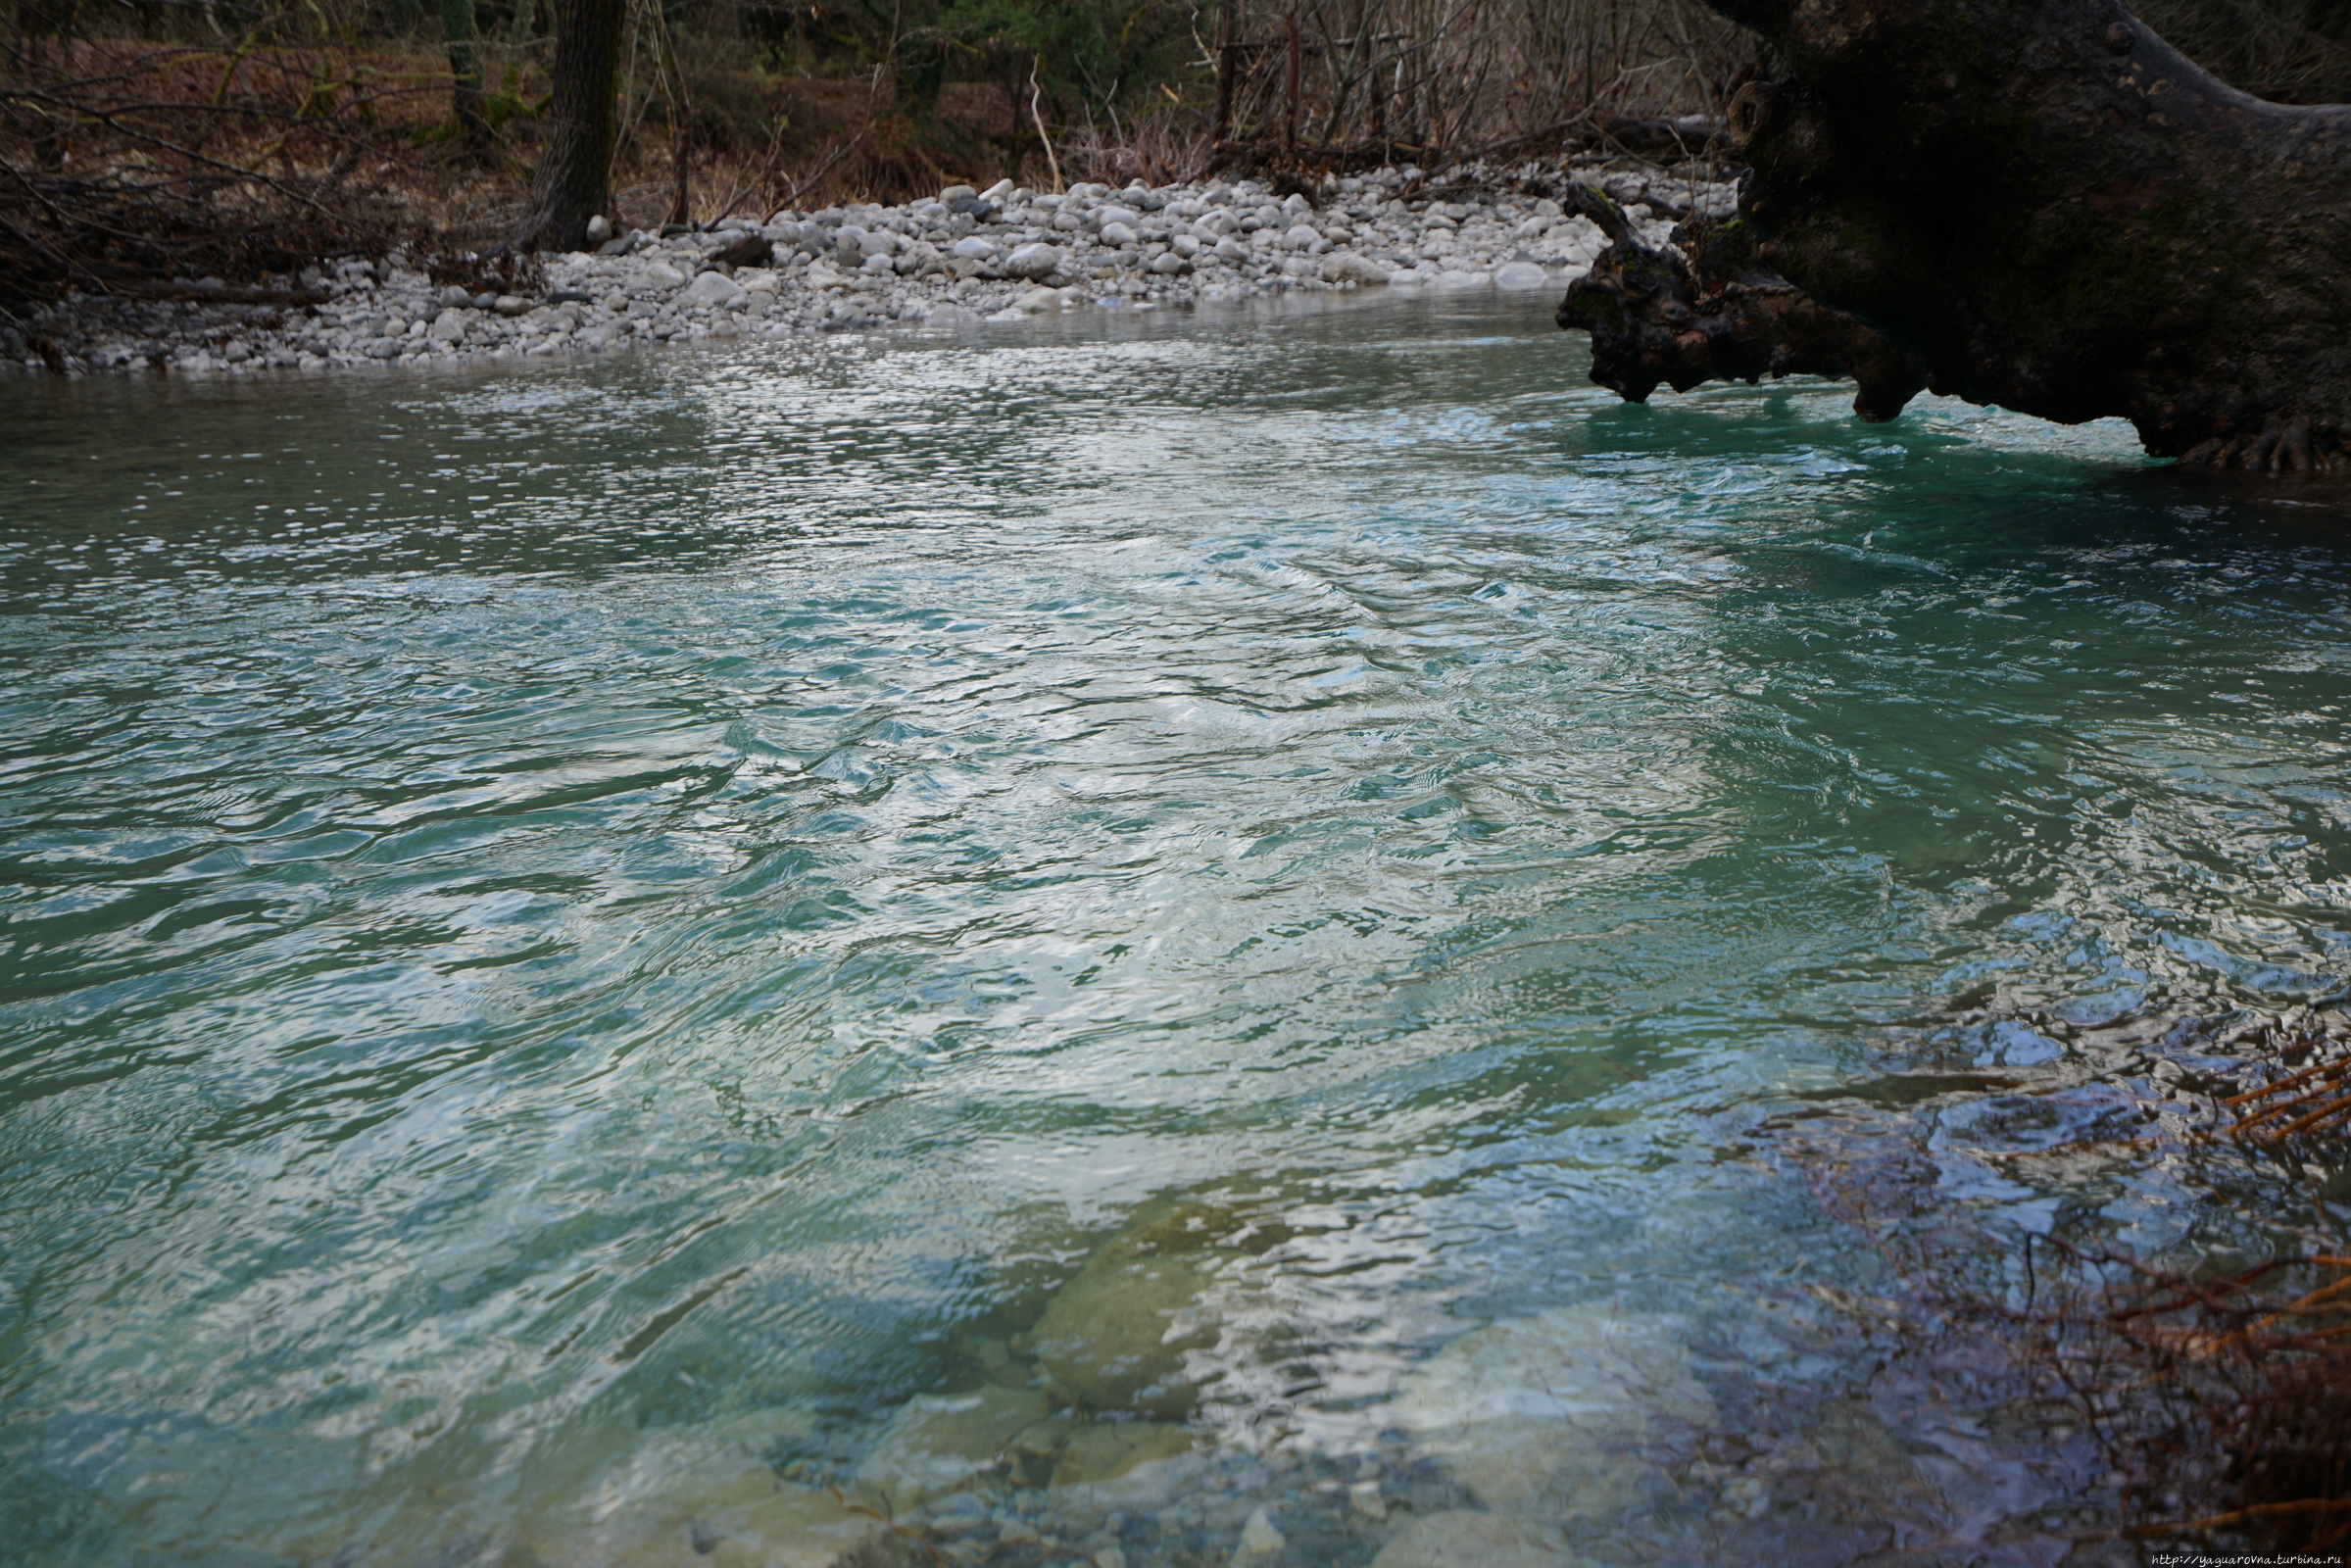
(712, 288)
(1033, 259)
(1346, 267)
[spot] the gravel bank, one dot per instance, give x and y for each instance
(964, 256)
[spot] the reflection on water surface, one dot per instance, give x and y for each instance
(1137, 938)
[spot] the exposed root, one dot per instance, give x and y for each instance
(1707, 308)
(2295, 445)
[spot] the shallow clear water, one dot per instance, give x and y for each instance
(683, 898)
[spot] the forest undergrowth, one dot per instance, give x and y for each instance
(159, 141)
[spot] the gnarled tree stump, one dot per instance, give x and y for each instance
(2030, 203)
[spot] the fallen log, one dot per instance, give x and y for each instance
(2032, 203)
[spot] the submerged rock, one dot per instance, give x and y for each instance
(1465, 1540)
(1260, 1542)
(1549, 1416)
(1118, 1336)
(939, 1441)
(738, 1516)
(1115, 1337)
(1099, 1451)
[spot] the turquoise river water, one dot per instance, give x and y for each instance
(1134, 940)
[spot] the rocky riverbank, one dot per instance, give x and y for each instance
(964, 256)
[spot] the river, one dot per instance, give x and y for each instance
(1129, 939)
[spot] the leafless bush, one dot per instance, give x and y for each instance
(1432, 79)
(124, 159)
(154, 140)
(2224, 1404)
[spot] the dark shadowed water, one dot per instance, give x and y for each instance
(570, 933)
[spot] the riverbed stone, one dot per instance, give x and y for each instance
(1558, 1415)
(1096, 1451)
(1242, 242)
(1462, 1538)
(667, 1510)
(1261, 1543)
(1347, 266)
(1114, 1338)
(940, 1442)
(712, 288)
(1033, 259)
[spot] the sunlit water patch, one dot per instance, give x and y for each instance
(1121, 941)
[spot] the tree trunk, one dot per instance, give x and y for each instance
(575, 181)
(1228, 68)
(2030, 203)
(45, 48)
(464, 72)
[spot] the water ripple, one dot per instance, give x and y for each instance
(639, 892)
